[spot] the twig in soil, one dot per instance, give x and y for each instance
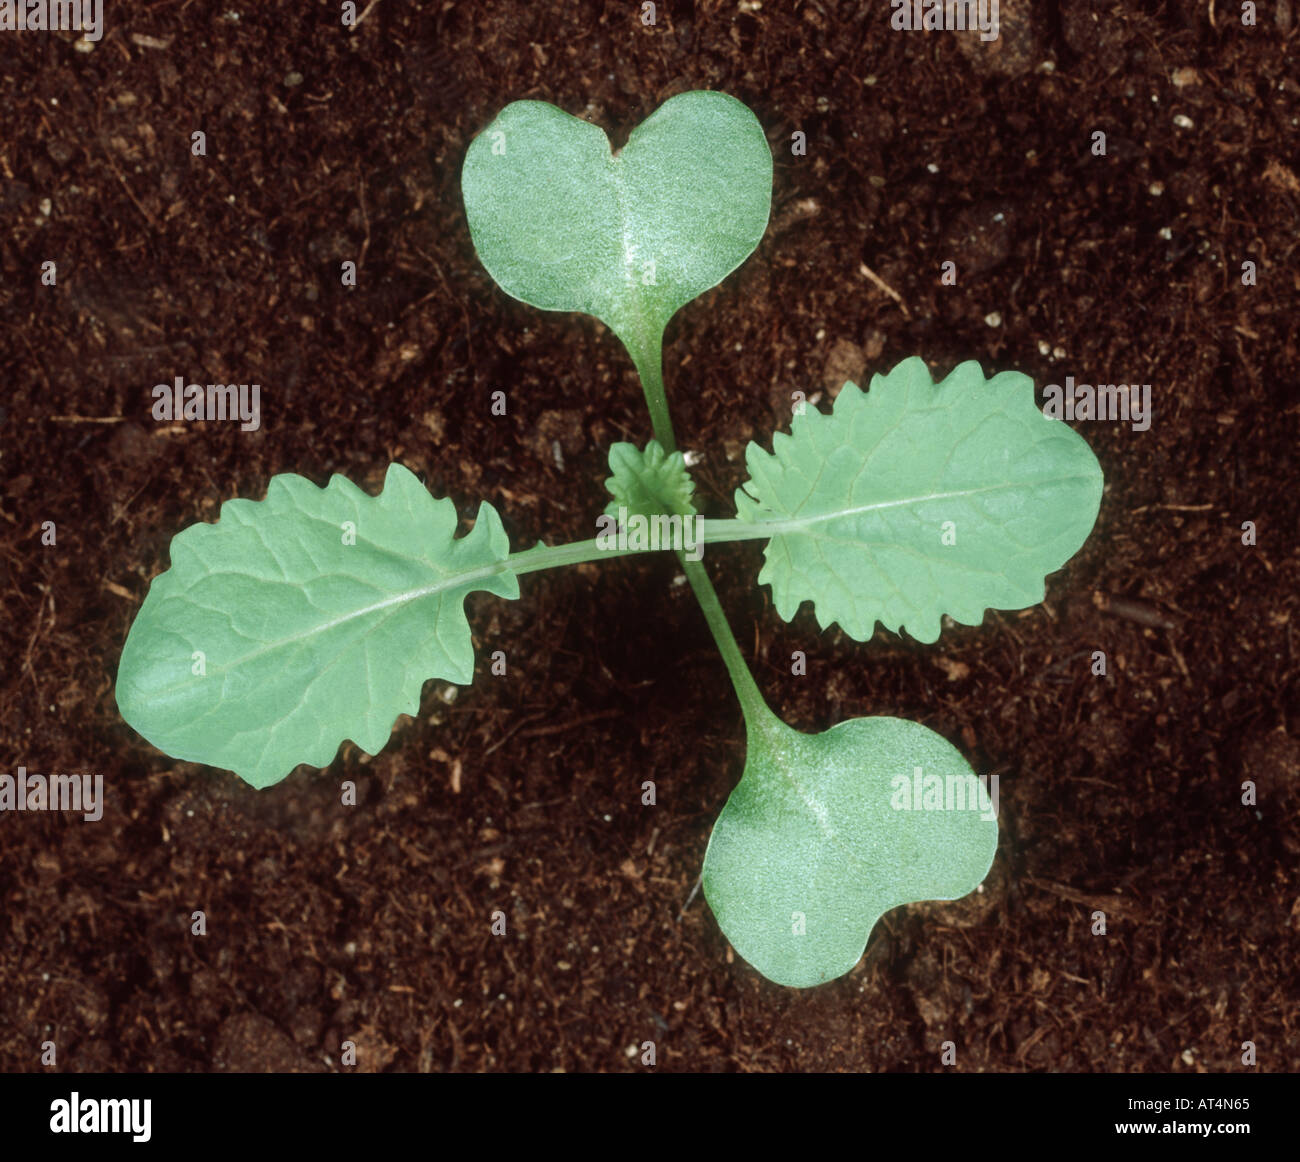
(36, 633)
(364, 14)
(511, 733)
(365, 217)
(130, 193)
(87, 419)
(1110, 901)
(1182, 663)
(558, 727)
(1141, 612)
(699, 879)
(141, 40)
(864, 269)
(1065, 662)
(1173, 508)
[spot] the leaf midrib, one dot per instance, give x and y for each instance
(799, 524)
(455, 581)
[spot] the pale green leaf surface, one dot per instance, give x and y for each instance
(813, 846)
(306, 640)
(858, 501)
(646, 483)
(561, 222)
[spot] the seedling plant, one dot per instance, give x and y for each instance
(317, 614)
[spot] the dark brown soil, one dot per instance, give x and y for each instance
(371, 924)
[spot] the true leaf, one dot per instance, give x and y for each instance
(913, 500)
(649, 482)
(564, 224)
(310, 617)
(824, 834)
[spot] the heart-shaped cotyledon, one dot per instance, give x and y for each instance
(827, 832)
(563, 223)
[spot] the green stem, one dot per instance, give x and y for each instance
(711, 532)
(555, 556)
(756, 711)
(648, 357)
(714, 532)
(576, 552)
(647, 354)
